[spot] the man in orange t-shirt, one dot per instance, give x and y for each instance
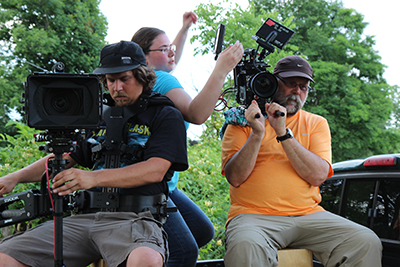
(274, 167)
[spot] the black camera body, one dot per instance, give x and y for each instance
(63, 101)
(252, 80)
(62, 104)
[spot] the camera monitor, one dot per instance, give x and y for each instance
(63, 101)
(275, 33)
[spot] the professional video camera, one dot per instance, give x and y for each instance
(252, 80)
(64, 105)
(63, 101)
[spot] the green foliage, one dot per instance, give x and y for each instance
(37, 33)
(205, 185)
(239, 25)
(17, 152)
(213, 126)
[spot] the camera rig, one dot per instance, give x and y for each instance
(252, 80)
(66, 106)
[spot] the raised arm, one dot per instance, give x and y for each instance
(198, 110)
(189, 18)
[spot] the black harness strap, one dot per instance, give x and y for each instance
(114, 145)
(116, 118)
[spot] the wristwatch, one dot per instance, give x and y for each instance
(288, 135)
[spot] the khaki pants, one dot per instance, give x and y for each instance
(88, 237)
(253, 240)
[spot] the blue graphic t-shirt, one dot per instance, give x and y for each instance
(137, 137)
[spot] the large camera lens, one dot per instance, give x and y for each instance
(61, 104)
(63, 101)
(55, 101)
(264, 84)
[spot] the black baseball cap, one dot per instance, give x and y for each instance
(120, 57)
(294, 66)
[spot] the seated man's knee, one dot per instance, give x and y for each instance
(244, 246)
(369, 240)
(145, 257)
(8, 261)
(250, 253)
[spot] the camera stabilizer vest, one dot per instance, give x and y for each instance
(116, 118)
(113, 148)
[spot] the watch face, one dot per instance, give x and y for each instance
(289, 132)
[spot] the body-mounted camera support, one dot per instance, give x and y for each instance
(42, 202)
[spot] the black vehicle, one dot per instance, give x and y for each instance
(367, 191)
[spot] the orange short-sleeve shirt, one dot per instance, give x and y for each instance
(274, 187)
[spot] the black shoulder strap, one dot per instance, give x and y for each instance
(156, 98)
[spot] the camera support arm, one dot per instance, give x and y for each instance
(116, 118)
(10, 217)
(36, 204)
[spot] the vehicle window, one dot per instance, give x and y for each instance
(359, 199)
(331, 191)
(386, 219)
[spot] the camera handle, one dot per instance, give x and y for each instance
(35, 205)
(268, 48)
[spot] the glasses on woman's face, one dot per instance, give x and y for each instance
(292, 84)
(165, 49)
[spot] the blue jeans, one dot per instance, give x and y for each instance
(188, 229)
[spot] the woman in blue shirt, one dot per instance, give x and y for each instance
(189, 228)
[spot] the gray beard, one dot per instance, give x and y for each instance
(283, 101)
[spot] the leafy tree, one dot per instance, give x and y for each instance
(35, 34)
(349, 90)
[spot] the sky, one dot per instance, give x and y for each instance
(125, 17)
